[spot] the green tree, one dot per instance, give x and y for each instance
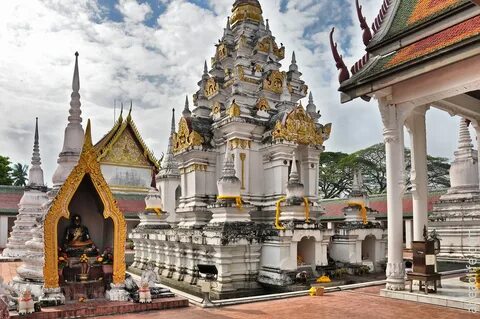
(336, 171)
(19, 174)
(5, 169)
(335, 176)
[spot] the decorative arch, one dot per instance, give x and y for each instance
(87, 165)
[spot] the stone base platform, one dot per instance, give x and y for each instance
(102, 308)
(453, 294)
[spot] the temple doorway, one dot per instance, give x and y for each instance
(368, 248)
(306, 251)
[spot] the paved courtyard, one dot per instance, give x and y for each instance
(357, 304)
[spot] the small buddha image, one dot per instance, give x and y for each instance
(77, 241)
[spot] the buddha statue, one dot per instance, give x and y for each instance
(77, 241)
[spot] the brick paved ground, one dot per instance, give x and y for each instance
(358, 304)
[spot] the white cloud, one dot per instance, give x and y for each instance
(156, 67)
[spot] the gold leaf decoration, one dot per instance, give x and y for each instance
(234, 110)
(299, 127)
(185, 137)
(88, 164)
(211, 87)
(263, 104)
(126, 151)
(246, 11)
(274, 82)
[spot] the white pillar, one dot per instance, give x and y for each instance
(408, 234)
(419, 178)
(476, 125)
(393, 120)
(3, 231)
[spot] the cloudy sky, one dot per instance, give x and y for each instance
(152, 52)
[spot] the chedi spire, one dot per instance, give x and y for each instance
(35, 174)
(295, 189)
(228, 185)
(74, 134)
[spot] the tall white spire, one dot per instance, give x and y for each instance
(293, 65)
(169, 167)
(74, 134)
(464, 139)
(35, 174)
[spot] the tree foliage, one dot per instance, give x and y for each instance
(5, 169)
(336, 171)
(19, 174)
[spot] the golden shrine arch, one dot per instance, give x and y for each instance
(87, 167)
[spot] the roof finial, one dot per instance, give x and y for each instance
(87, 144)
(344, 74)
(311, 107)
(367, 33)
(172, 128)
(35, 174)
(186, 111)
(293, 65)
(76, 77)
(267, 26)
(205, 68)
(228, 24)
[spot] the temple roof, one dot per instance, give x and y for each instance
(466, 33)
(125, 132)
(408, 16)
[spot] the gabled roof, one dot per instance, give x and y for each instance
(124, 129)
(410, 16)
(463, 35)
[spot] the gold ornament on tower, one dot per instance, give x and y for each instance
(299, 127)
(185, 137)
(211, 87)
(274, 82)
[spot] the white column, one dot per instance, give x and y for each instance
(419, 178)
(394, 147)
(476, 125)
(3, 231)
(408, 233)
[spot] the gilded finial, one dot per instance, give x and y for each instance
(344, 74)
(367, 33)
(87, 144)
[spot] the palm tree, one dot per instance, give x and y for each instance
(19, 174)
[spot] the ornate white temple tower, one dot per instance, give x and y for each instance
(235, 150)
(30, 209)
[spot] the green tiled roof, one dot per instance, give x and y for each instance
(402, 20)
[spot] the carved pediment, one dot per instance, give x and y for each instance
(126, 151)
(274, 82)
(185, 137)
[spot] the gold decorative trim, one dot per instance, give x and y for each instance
(185, 137)
(216, 108)
(299, 127)
(88, 164)
(222, 52)
(263, 104)
(239, 143)
(246, 12)
(234, 110)
(267, 44)
(243, 156)
(274, 82)
(194, 168)
(211, 87)
(106, 145)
